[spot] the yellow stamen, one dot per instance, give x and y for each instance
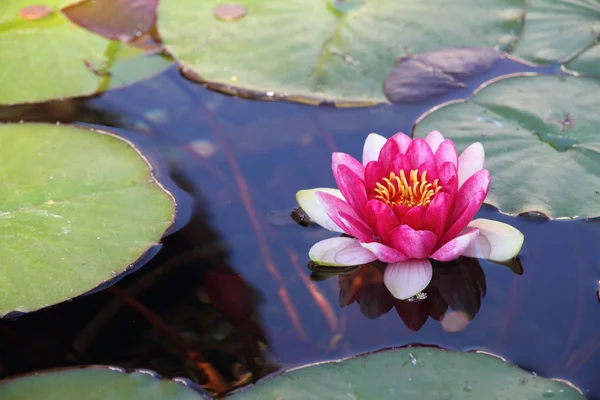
(396, 190)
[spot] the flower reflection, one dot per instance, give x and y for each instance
(453, 297)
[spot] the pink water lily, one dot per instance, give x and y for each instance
(408, 201)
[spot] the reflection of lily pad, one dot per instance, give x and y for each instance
(77, 208)
(50, 57)
(317, 50)
(540, 136)
(96, 383)
(555, 29)
(410, 373)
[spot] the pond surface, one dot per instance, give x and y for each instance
(233, 280)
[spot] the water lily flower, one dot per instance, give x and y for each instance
(408, 201)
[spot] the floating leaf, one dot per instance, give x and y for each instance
(114, 19)
(77, 208)
(419, 77)
(588, 62)
(49, 57)
(556, 29)
(540, 135)
(409, 373)
(344, 55)
(95, 383)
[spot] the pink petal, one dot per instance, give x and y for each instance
(468, 201)
(403, 141)
(381, 218)
(389, 152)
(405, 279)
(415, 218)
(374, 172)
(372, 148)
(340, 251)
(352, 187)
(311, 205)
(345, 217)
(385, 253)
(434, 139)
(420, 156)
(448, 179)
(415, 244)
(400, 211)
(446, 152)
(437, 213)
(496, 241)
(338, 159)
(455, 247)
(470, 161)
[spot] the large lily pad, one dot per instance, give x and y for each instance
(541, 141)
(47, 56)
(410, 373)
(557, 29)
(77, 208)
(318, 50)
(587, 62)
(95, 383)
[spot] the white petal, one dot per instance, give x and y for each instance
(373, 146)
(496, 241)
(434, 139)
(404, 279)
(457, 246)
(314, 209)
(470, 161)
(340, 251)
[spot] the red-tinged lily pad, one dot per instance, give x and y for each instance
(121, 20)
(557, 30)
(47, 56)
(426, 75)
(97, 383)
(540, 135)
(409, 373)
(344, 57)
(77, 209)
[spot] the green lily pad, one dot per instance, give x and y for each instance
(587, 62)
(77, 208)
(540, 135)
(317, 51)
(410, 373)
(94, 383)
(46, 56)
(557, 29)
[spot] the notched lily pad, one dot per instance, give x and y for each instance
(540, 135)
(342, 59)
(46, 56)
(409, 373)
(422, 76)
(555, 30)
(97, 383)
(77, 208)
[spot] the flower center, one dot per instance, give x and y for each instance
(397, 190)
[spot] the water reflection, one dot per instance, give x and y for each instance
(453, 298)
(187, 312)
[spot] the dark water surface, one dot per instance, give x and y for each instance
(235, 274)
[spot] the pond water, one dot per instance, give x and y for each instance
(233, 279)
